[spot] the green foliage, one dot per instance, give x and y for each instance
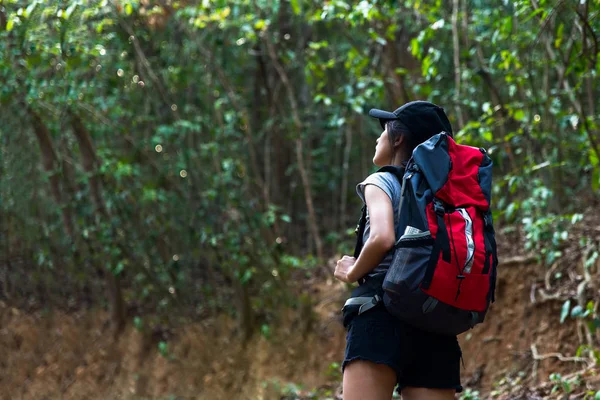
(564, 385)
(469, 394)
(292, 391)
(207, 128)
(163, 349)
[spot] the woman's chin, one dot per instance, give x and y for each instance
(377, 162)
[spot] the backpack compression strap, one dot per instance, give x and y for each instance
(440, 245)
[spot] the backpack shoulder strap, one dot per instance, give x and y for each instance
(397, 171)
(360, 230)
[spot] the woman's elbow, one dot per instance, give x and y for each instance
(383, 241)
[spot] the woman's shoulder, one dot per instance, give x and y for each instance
(386, 181)
(383, 177)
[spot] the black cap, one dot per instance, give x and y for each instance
(420, 117)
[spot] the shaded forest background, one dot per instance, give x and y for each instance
(175, 160)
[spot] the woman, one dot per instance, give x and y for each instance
(381, 350)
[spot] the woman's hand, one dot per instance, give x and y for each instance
(343, 269)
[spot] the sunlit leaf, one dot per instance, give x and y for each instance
(519, 115)
(295, 6)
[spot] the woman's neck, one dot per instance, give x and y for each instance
(400, 158)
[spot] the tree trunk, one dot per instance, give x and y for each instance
(89, 160)
(5, 225)
(51, 165)
(457, 66)
(3, 18)
(299, 147)
(345, 173)
(396, 89)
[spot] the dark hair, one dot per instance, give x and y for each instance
(395, 129)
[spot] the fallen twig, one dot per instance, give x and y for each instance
(537, 357)
(549, 275)
(516, 261)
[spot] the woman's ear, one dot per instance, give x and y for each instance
(399, 141)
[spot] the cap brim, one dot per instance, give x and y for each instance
(375, 113)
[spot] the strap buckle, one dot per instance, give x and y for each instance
(438, 207)
(365, 303)
(367, 306)
(487, 220)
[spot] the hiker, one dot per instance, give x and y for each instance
(383, 351)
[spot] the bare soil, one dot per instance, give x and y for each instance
(72, 356)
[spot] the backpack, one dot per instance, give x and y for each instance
(442, 276)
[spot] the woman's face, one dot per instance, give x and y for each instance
(383, 150)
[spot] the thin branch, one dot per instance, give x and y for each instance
(517, 261)
(457, 72)
(345, 175)
(247, 129)
(561, 69)
(588, 28)
(299, 145)
(546, 21)
(139, 52)
(540, 357)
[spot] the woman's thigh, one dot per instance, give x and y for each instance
(366, 380)
(413, 393)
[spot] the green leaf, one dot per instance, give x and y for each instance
(597, 395)
(510, 210)
(260, 24)
(559, 36)
(70, 10)
(245, 278)
(590, 306)
(565, 311)
(30, 9)
(10, 24)
(519, 115)
(487, 135)
(295, 6)
(163, 348)
(138, 323)
(577, 311)
(128, 9)
(596, 179)
(119, 268)
(265, 330)
(415, 47)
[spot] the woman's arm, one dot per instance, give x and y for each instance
(381, 237)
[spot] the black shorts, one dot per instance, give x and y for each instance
(420, 359)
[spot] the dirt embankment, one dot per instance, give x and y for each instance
(63, 356)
